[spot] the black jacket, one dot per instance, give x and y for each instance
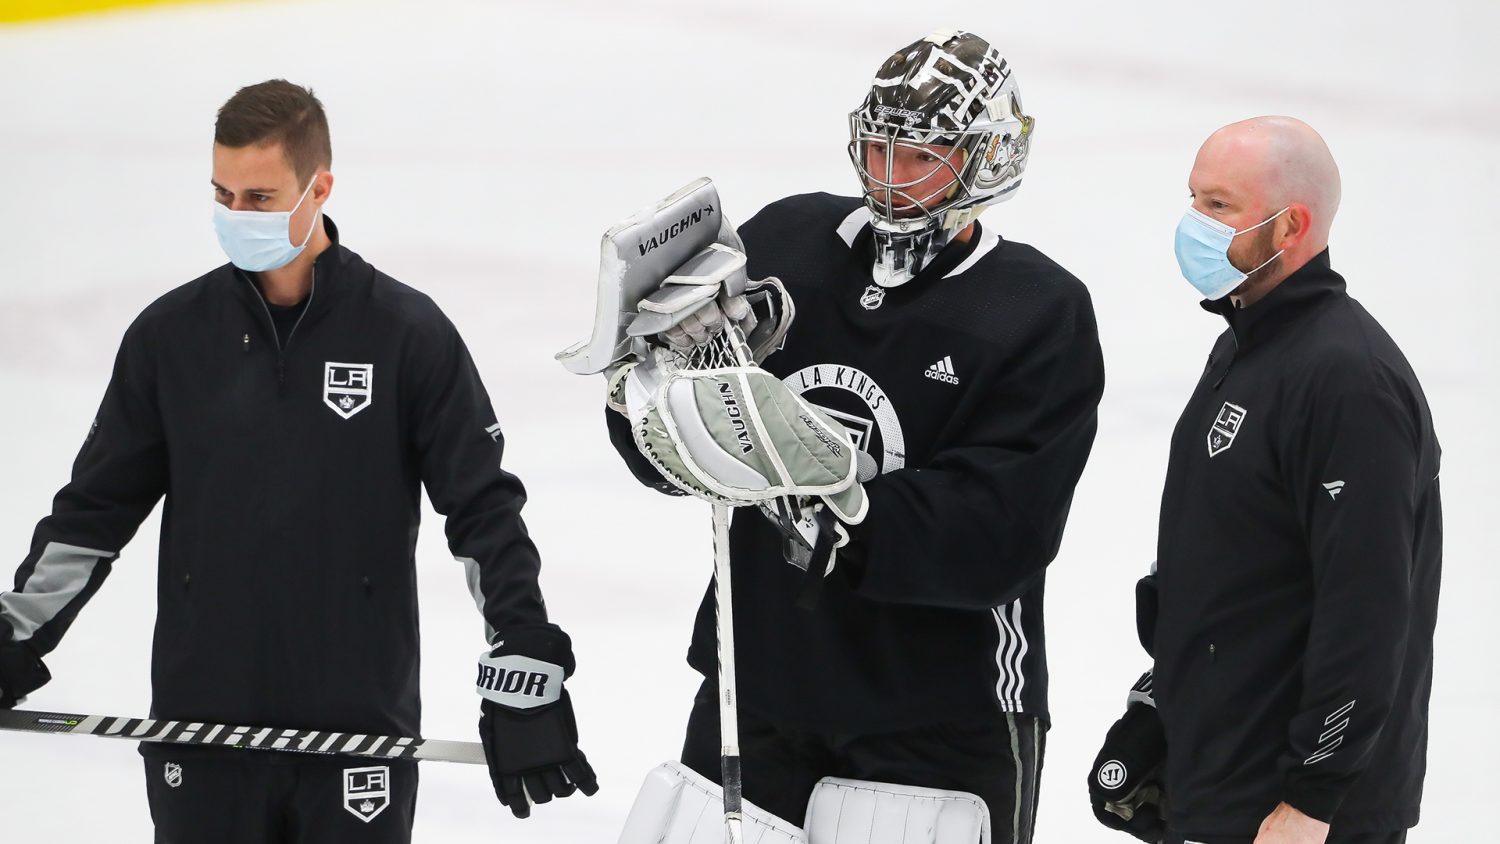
(1299, 552)
(287, 588)
(975, 388)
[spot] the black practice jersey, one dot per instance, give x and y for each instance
(1298, 560)
(292, 474)
(975, 388)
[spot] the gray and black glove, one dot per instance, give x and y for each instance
(1126, 783)
(21, 673)
(526, 721)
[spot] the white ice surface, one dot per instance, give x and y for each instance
(481, 149)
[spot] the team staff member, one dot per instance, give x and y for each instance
(1300, 541)
(289, 405)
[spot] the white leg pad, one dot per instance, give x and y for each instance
(678, 806)
(859, 812)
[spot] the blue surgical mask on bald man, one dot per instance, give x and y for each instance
(1203, 253)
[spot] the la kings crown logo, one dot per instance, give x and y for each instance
(1226, 428)
(367, 791)
(348, 388)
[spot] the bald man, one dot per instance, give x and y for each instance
(1291, 608)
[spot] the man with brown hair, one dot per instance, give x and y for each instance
(289, 405)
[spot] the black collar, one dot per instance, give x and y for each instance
(329, 268)
(1297, 294)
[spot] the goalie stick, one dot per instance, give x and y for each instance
(323, 742)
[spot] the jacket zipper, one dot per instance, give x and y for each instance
(281, 347)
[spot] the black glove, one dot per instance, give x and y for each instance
(21, 673)
(526, 720)
(1125, 784)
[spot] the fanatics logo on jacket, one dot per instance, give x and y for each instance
(367, 791)
(943, 371)
(347, 387)
(1226, 426)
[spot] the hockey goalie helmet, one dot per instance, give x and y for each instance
(952, 101)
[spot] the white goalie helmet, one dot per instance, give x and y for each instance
(950, 99)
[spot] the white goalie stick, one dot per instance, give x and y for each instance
(324, 742)
(637, 254)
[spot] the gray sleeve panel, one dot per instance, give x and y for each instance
(61, 575)
(471, 575)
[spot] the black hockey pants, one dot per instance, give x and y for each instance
(1000, 761)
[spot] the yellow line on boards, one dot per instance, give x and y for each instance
(16, 11)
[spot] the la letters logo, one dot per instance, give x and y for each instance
(348, 387)
(1225, 428)
(367, 791)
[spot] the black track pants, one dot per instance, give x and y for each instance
(251, 799)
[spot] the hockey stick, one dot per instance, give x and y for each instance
(259, 738)
(729, 728)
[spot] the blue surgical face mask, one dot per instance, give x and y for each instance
(1203, 253)
(256, 241)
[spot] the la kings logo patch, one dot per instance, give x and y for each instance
(348, 388)
(1226, 427)
(367, 791)
(854, 400)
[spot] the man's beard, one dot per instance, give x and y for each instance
(1261, 250)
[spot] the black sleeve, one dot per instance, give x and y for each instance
(640, 467)
(1353, 461)
(977, 526)
(118, 476)
(459, 444)
(1147, 606)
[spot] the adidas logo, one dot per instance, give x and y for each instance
(942, 371)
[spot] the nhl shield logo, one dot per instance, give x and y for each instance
(1226, 426)
(173, 775)
(367, 791)
(348, 387)
(872, 298)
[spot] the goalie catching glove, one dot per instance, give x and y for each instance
(526, 722)
(736, 435)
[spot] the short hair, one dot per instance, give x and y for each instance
(277, 111)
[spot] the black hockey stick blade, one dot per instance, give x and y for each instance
(322, 742)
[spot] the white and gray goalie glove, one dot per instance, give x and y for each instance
(738, 436)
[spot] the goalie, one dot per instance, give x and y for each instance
(912, 439)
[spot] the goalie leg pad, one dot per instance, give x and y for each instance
(677, 805)
(859, 812)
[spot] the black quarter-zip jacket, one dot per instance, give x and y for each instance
(292, 476)
(1299, 553)
(975, 388)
